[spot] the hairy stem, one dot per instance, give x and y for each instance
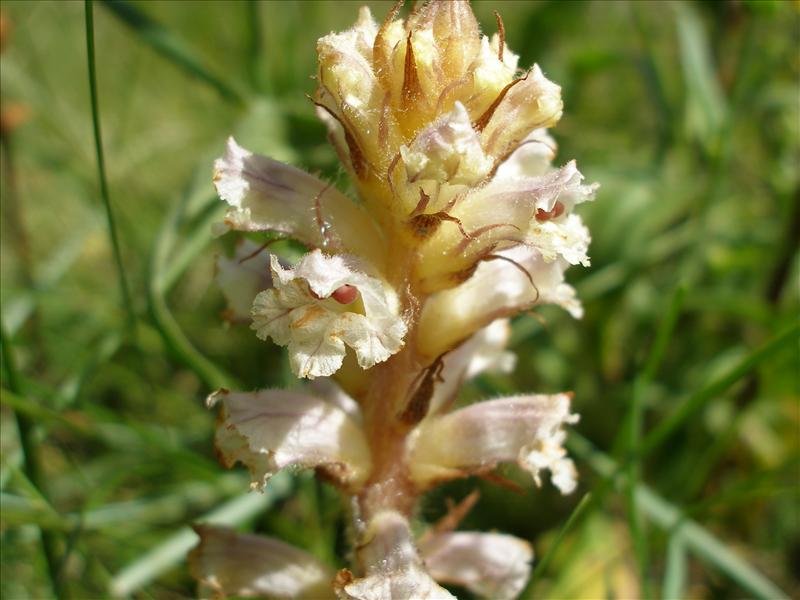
(389, 487)
(391, 383)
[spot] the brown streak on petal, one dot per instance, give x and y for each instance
(474, 235)
(424, 226)
(260, 249)
(321, 224)
(389, 170)
(412, 90)
(440, 103)
(516, 143)
(422, 204)
(313, 312)
(507, 154)
(381, 62)
(518, 266)
(464, 274)
(455, 200)
(356, 156)
(446, 217)
(484, 119)
(501, 32)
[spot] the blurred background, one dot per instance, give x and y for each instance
(684, 368)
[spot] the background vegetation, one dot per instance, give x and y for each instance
(685, 367)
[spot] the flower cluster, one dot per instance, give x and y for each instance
(460, 222)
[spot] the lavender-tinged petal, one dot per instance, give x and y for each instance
(274, 429)
(267, 195)
(525, 429)
(233, 564)
(491, 565)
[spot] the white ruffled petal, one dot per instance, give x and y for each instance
(267, 195)
(302, 312)
(567, 237)
(526, 429)
(394, 568)
(491, 565)
(549, 453)
(270, 430)
(233, 564)
(316, 346)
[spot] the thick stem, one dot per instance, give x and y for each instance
(390, 486)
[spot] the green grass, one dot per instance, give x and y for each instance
(685, 367)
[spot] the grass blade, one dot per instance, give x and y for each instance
(17, 310)
(675, 572)
(169, 46)
(33, 464)
(714, 388)
(173, 550)
(706, 108)
(576, 515)
(708, 548)
(256, 66)
(635, 422)
(101, 167)
(668, 517)
(159, 277)
(212, 376)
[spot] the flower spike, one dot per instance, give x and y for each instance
(457, 220)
